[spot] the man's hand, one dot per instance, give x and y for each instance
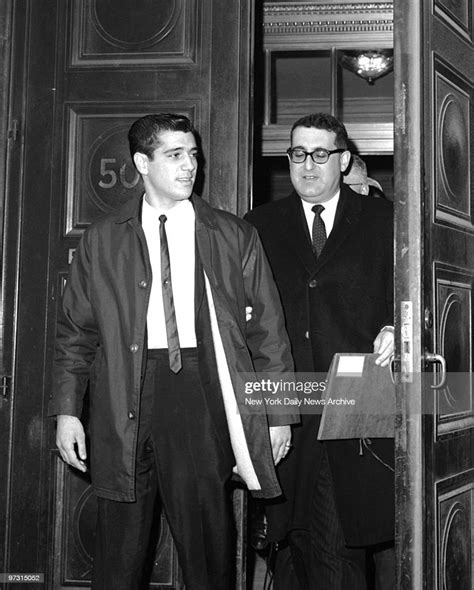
(280, 437)
(68, 433)
(384, 345)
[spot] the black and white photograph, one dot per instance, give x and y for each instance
(237, 295)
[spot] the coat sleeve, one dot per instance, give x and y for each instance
(76, 338)
(267, 338)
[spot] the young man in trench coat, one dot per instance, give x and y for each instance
(155, 322)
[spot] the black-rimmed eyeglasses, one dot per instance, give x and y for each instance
(319, 155)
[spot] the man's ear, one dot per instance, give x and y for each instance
(141, 162)
(345, 160)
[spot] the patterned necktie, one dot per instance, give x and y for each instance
(168, 303)
(319, 230)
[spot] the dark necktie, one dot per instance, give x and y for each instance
(318, 235)
(168, 303)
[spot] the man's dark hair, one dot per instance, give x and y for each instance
(326, 122)
(144, 134)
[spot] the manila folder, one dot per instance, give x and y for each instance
(359, 399)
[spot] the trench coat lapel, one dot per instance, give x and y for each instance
(205, 225)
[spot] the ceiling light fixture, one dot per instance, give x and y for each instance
(369, 64)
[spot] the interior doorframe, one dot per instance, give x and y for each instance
(12, 59)
(409, 293)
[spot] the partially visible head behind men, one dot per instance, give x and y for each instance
(357, 178)
(144, 134)
(325, 122)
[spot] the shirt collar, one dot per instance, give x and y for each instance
(329, 206)
(180, 209)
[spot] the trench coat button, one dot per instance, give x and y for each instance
(313, 283)
(134, 348)
(306, 335)
(131, 415)
(143, 284)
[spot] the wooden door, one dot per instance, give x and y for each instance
(81, 72)
(434, 278)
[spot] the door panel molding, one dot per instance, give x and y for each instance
(453, 338)
(75, 509)
(457, 16)
(170, 34)
(454, 99)
(455, 528)
(100, 174)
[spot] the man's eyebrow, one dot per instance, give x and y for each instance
(174, 149)
(180, 149)
(302, 147)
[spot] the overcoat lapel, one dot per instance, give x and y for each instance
(346, 220)
(294, 233)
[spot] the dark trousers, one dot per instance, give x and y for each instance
(318, 559)
(184, 467)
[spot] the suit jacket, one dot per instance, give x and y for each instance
(337, 303)
(101, 336)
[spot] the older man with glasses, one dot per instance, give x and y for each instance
(330, 250)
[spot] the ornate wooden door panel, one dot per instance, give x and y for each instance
(435, 280)
(84, 70)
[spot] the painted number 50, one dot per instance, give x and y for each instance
(109, 175)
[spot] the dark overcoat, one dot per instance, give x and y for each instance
(101, 336)
(337, 303)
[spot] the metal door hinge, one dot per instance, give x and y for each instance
(5, 385)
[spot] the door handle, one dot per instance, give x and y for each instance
(431, 357)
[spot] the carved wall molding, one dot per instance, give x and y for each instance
(357, 110)
(326, 7)
(287, 23)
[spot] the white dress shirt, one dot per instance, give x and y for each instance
(327, 215)
(180, 232)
